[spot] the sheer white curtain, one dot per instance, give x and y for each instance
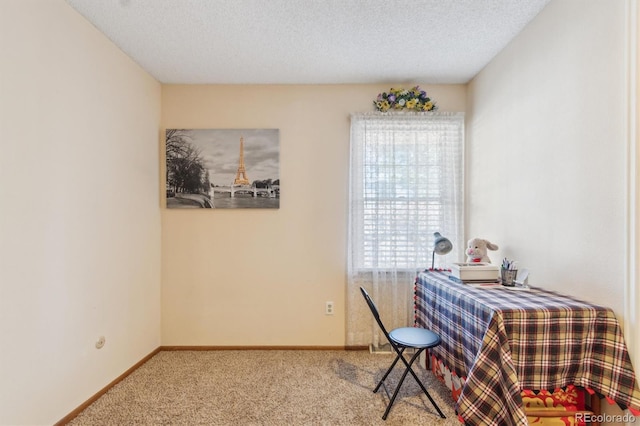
(406, 182)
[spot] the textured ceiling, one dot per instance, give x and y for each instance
(310, 41)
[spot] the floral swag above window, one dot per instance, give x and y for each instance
(414, 99)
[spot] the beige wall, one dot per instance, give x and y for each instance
(547, 150)
(633, 326)
(79, 222)
(262, 277)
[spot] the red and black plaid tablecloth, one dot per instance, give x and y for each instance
(502, 341)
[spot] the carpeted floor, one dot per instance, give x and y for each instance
(271, 387)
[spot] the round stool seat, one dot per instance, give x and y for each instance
(415, 337)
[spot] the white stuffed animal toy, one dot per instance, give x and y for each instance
(477, 250)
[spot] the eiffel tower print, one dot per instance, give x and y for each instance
(241, 174)
(216, 173)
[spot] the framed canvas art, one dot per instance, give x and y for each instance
(223, 168)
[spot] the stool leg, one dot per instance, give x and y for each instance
(393, 364)
(395, 393)
(408, 370)
(408, 365)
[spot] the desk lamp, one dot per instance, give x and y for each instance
(441, 246)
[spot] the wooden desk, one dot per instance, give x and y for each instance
(502, 341)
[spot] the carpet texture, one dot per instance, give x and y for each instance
(270, 387)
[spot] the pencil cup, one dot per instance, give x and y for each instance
(508, 276)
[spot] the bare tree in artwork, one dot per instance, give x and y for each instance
(185, 169)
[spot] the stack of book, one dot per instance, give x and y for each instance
(475, 274)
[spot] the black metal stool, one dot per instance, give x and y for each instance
(401, 339)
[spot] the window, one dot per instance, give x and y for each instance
(406, 183)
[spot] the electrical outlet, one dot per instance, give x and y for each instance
(328, 308)
(100, 343)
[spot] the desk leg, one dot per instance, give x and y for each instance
(425, 360)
